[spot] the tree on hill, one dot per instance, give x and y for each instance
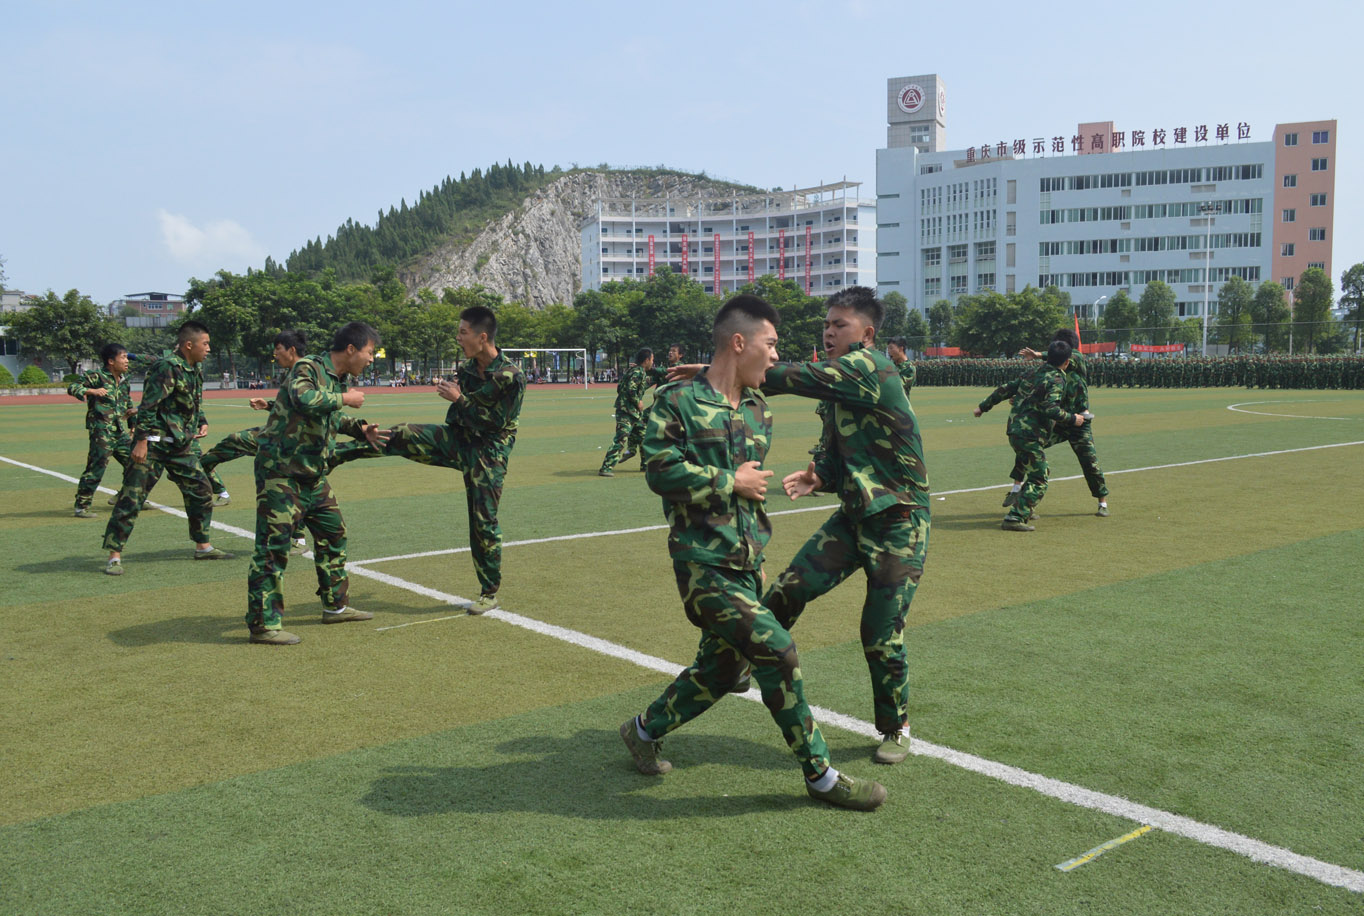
(68, 329)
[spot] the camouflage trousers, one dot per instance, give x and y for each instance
(890, 547)
(736, 630)
(138, 479)
(629, 436)
(484, 464)
(105, 442)
(1081, 441)
(229, 448)
(282, 504)
(1030, 463)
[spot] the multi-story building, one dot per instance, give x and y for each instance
(822, 237)
(12, 301)
(1097, 211)
(148, 310)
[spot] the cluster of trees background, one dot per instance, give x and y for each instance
(245, 311)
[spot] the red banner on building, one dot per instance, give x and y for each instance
(1157, 348)
(684, 254)
(943, 351)
(807, 260)
(1110, 347)
(719, 290)
(750, 257)
(651, 255)
(781, 250)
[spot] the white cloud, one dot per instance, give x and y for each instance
(222, 243)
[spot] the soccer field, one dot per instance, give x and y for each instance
(1190, 664)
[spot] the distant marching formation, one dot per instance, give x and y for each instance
(702, 446)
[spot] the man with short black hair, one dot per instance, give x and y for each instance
(706, 441)
(638, 378)
(108, 412)
(168, 420)
(476, 438)
(295, 447)
(1075, 399)
(898, 351)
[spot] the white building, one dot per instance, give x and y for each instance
(1098, 210)
(822, 237)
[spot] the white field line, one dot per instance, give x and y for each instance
(826, 506)
(1207, 834)
(1290, 416)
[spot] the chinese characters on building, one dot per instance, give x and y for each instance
(1106, 142)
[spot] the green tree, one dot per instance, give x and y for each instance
(66, 329)
(672, 309)
(227, 309)
(993, 324)
(1352, 300)
(1156, 312)
(1269, 316)
(897, 314)
(916, 330)
(1312, 301)
(1120, 318)
(802, 316)
(599, 322)
(1234, 312)
(33, 375)
(940, 321)
(6, 377)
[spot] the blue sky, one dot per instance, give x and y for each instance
(145, 143)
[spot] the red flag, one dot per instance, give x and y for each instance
(814, 354)
(1077, 325)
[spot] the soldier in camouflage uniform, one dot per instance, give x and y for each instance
(168, 420)
(704, 448)
(871, 455)
(295, 448)
(638, 378)
(1030, 428)
(476, 438)
(108, 413)
(898, 351)
(1075, 399)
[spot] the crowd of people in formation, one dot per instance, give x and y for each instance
(1319, 372)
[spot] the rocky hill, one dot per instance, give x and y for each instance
(533, 254)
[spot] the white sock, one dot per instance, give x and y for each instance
(223, 495)
(1015, 488)
(1103, 502)
(825, 782)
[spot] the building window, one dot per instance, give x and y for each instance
(1321, 136)
(1290, 139)
(1318, 200)
(985, 281)
(985, 251)
(1319, 265)
(1290, 216)
(1316, 235)
(959, 284)
(933, 286)
(956, 254)
(1287, 283)
(932, 257)
(1290, 181)
(1286, 250)
(1319, 165)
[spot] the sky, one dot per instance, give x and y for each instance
(146, 143)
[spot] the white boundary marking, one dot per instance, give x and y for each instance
(1207, 834)
(1290, 416)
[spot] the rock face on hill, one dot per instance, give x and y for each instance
(534, 253)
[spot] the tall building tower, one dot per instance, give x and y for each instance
(916, 113)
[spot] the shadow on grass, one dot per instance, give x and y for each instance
(93, 562)
(620, 471)
(217, 629)
(586, 775)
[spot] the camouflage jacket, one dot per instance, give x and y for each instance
(694, 443)
(172, 404)
(491, 401)
(299, 435)
(1075, 398)
(110, 410)
(870, 452)
(630, 390)
(907, 373)
(1038, 408)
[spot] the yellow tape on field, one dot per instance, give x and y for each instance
(1100, 850)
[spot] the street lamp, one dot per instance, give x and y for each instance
(1207, 209)
(1095, 306)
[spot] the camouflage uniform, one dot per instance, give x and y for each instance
(1030, 429)
(476, 438)
(1075, 399)
(168, 418)
(629, 413)
(295, 448)
(106, 419)
(871, 455)
(907, 375)
(694, 444)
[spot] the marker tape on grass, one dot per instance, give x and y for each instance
(1207, 834)
(1100, 850)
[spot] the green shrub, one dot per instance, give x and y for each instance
(69, 378)
(32, 375)
(6, 378)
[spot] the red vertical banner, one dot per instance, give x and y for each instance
(807, 260)
(750, 257)
(718, 288)
(684, 254)
(781, 250)
(651, 255)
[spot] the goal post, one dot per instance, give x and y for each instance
(550, 364)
